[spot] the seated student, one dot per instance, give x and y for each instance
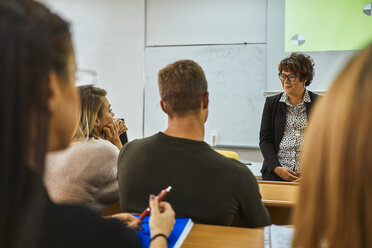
(86, 172)
(39, 106)
(335, 197)
(207, 187)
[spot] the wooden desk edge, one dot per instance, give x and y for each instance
(278, 183)
(276, 203)
(202, 235)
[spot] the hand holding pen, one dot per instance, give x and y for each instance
(160, 197)
(162, 218)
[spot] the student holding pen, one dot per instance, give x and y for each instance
(39, 105)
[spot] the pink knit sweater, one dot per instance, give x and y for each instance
(84, 174)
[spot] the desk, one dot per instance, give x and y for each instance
(278, 194)
(280, 198)
(208, 236)
(114, 209)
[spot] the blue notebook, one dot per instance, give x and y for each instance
(180, 231)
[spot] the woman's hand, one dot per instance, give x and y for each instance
(121, 125)
(285, 173)
(110, 132)
(128, 219)
(161, 218)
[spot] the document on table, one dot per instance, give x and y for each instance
(278, 236)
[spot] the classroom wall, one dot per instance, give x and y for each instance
(327, 64)
(109, 41)
(110, 35)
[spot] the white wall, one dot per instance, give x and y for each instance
(172, 22)
(109, 39)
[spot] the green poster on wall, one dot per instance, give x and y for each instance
(326, 25)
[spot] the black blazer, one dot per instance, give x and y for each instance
(273, 122)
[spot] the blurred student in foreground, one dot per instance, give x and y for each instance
(335, 201)
(86, 172)
(207, 187)
(39, 105)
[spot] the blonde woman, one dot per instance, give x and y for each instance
(97, 118)
(86, 172)
(336, 187)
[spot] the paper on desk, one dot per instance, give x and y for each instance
(278, 236)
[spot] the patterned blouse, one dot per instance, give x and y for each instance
(290, 145)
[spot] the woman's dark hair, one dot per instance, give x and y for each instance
(300, 64)
(33, 42)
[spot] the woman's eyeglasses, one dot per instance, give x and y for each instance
(290, 77)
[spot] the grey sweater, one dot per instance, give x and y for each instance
(83, 174)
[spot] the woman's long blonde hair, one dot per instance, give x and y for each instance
(335, 202)
(92, 103)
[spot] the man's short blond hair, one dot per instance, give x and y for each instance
(182, 86)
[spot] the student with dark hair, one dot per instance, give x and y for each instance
(207, 187)
(39, 105)
(284, 119)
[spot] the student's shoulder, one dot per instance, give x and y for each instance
(240, 170)
(230, 163)
(96, 147)
(241, 176)
(141, 143)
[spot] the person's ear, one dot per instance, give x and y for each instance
(97, 122)
(54, 93)
(303, 81)
(206, 100)
(162, 105)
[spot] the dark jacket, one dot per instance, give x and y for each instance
(271, 133)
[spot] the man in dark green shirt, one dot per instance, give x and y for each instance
(206, 186)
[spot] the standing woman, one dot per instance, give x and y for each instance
(39, 107)
(86, 172)
(284, 119)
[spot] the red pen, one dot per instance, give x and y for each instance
(160, 197)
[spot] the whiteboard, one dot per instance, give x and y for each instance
(179, 22)
(236, 80)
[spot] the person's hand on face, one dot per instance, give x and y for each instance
(106, 126)
(121, 125)
(110, 132)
